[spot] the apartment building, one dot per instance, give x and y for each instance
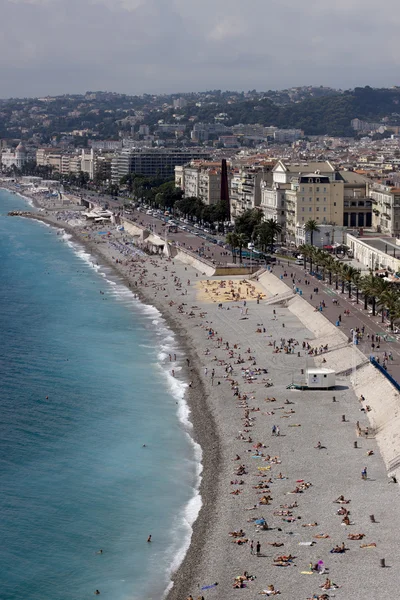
(49, 157)
(200, 179)
(245, 187)
(357, 205)
(287, 136)
(153, 161)
(300, 192)
(386, 208)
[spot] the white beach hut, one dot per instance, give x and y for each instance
(320, 378)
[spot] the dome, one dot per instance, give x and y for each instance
(20, 148)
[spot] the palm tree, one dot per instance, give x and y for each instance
(373, 287)
(274, 229)
(242, 240)
(348, 274)
(311, 227)
(330, 264)
(262, 235)
(390, 299)
(357, 283)
(308, 252)
(232, 240)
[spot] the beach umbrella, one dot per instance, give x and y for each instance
(260, 522)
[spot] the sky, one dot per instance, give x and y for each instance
(170, 46)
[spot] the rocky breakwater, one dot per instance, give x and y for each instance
(19, 213)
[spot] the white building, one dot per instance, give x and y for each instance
(14, 158)
(200, 179)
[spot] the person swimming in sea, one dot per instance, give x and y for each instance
(149, 538)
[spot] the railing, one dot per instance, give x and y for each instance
(385, 373)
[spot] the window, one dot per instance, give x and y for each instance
(302, 218)
(317, 199)
(302, 198)
(317, 189)
(302, 210)
(324, 189)
(334, 204)
(310, 199)
(324, 208)
(310, 209)
(317, 208)
(302, 189)
(310, 189)
(324, 199)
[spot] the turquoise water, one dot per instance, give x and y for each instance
(74, 475)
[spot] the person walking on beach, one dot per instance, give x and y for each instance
(258, 548)
(251, 547)
(364, 473)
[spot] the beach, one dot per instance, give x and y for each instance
(274, 455)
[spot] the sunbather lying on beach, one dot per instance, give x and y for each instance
(238, 533)
(343, 511)
(240, 542)
(284, 558)
(371, 545)
(356, 536)
(339, 549)
(310, 524)
(270, 591)
(341, 500)
(276, 544)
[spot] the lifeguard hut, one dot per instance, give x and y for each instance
(320, 378)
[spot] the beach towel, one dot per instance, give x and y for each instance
(306, 543)
(208, 587)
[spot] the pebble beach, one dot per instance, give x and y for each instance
(282, 468)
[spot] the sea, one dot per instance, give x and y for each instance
(96, 450)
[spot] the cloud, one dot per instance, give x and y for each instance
(134, 46)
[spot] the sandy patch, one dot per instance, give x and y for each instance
(228, 290)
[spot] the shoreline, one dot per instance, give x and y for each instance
(217, 414)
(204, 430)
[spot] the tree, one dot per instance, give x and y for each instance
(232, 240)
(248, 221)
(330, 264)
(311, 227)
(373, 288)
(242, 240)
(274, 229)
(308, 252)
(390, 299)
(349, 273)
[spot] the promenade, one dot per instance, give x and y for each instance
(358, 317)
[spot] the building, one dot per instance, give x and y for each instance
(287, 136)
(300, 192)
(375, 252)
(14, 158)
(180, 103)
(327, 237)
(49, 157)
(153, 161)
(357, 205)
(245, 188)
(386, 208)
(105, 144)
(200, 179)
